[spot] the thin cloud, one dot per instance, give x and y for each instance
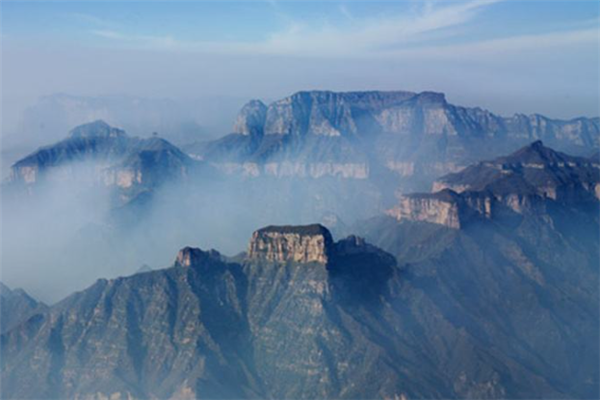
(384, 37)
(509, 45)
(108, 34)
(360, 37)
(141, 41)
(345, 12)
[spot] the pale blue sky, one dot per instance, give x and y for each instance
(508, 56)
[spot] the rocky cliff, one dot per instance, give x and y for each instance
(302, 244)
(534, 169)
(527, 181)
(408, 134)
(268, 325)
(206, 327)
(251, 119)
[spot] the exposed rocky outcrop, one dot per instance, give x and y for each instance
(357, 326)
(149, 164)
(413, 135)
(526, 181)
(200, 328)
(534, 169)
(190, 256)
(96, 130)
(301, 244)
(455, 210)
(442, 209)
(251, 119)
(300, 170)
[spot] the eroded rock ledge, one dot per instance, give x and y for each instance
(189, 256)
(302, 244)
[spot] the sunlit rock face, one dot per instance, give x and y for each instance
(302, 244)
(198, 329)
(414, 136)
(191, 256)
(442, 210)
(525, 182)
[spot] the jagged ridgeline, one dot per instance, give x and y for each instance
(367, 144)
(534, 180)
(485, 286)
(477, 313)
(268, 324)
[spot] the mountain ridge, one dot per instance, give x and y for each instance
(396, 131)
(528, 181)
(485, 309)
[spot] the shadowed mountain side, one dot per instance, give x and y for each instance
(16, 306)
(483, 312)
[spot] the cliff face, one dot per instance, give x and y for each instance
(534, 169)
(525, 182)
(455, 210)
(357, 326)
(304, 244)
(190, 256)
(435, 210)
(251, 119)
(149, 164)
(211, 327)
(409, 134)
(494, 272)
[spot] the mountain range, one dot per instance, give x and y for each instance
(470, 292)
(531, 180)
(345, 153)
(98, 154)
(360, 134)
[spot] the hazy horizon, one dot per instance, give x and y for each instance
(504, 56)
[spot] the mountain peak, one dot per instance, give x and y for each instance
(536, 153)
(251, 118)
(96, 129)
(191, 256)
(303, 244)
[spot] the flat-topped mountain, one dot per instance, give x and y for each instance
(199, 328)
(450, 316)
(350, 134)
(304, 244)
(530, 180)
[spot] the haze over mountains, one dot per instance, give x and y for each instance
(181, 121)
(314, 156)
(484, 309)
(477, 276)
(350, 134)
